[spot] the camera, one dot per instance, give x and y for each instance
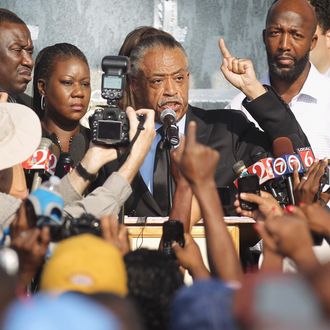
(172, 232)
(85, 224)
(109, 125)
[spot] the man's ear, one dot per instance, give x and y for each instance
(42, 86)
(327, 38)
(264, 35)
(314, 41)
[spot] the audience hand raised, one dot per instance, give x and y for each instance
(190, 258)
(115, 233)
(198, 162)
(280, 235)
(306, 189)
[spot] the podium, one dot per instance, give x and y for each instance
(147, 231)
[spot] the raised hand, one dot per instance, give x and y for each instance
(31, 247)
(306, 189)
(198, 162)
(115, 233)
(280, 235)
(190, 258)
(240, 73)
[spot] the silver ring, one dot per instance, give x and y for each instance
(304, 177)
(23, 234)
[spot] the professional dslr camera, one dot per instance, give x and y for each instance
(109, 126)
(85, 224)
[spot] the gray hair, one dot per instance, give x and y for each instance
(161, 41)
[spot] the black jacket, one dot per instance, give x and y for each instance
(230, 133)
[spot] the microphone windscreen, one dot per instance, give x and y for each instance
(259, 155)
(77, 148)
(282, 146)
(238, 167)
(168, 112)
(45, 143)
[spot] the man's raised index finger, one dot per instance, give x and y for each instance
(191, 135)
(224, 50)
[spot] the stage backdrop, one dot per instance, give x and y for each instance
(98, 27)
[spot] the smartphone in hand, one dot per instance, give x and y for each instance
(172, 232)
(248, 184)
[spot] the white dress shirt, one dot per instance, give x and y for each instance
(147, 168)
(311, 107)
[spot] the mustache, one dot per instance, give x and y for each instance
(25, 69)
(170, 100)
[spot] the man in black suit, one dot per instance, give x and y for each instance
(16, 50)
(159, 79)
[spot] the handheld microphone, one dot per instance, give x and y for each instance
(42, 162)
(171, 130)
(240, 170)
(283, 164)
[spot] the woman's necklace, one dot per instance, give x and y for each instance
(59, 142)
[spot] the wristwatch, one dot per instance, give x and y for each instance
(85, 174)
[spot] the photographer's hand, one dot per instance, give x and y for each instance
(95, 157)
(142, 144)
(31, 247)
(21, 222)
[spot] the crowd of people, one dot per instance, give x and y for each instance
(81, 273)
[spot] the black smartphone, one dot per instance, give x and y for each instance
(172, 232)
(248, 184)
(224, 194)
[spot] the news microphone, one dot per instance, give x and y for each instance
(263, 167)
(78, 148)
(283, 165)
(306, 153)
(43, 162)
(171, 130)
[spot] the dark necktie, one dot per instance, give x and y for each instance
(160, 186)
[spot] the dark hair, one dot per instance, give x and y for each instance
(44, 66)
(8, 16)
(136, 36)
(147, 43)
(322, 10)
(153, 278)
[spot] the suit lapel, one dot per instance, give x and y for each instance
(141, 188)
(203, 130)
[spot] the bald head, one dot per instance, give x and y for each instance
(300, 8)
(289, 37)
